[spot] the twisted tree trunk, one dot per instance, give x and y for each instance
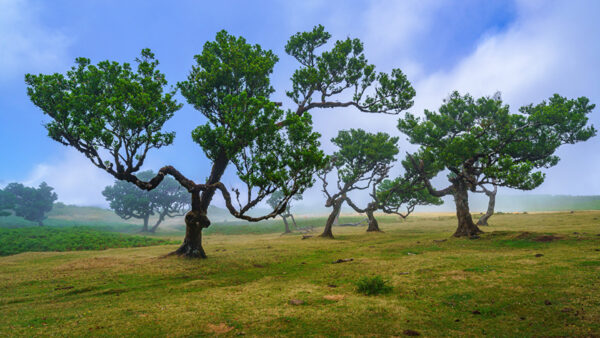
(466, 227)
(196, 219)
(373, 224)
(336, 221)
(491, 205)
(337, 205)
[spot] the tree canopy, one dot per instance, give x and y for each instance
(479, 141)
(28, 202)
(362, 160)
(115, 115)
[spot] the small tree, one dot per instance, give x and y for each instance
(398, 197)
(481, 142)
(362, 160)
(169, 199)
(115, 116)
(28, 202)
(491, 194)
(274, 200)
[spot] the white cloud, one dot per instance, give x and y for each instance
(26, 44)
(74, 179)
(549, 49)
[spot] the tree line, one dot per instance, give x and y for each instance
(114, 114)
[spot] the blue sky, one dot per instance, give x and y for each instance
(528, 50)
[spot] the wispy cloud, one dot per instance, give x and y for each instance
(74, 179)
(26, 44)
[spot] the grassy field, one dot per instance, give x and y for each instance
(40, 239)
(529, 275)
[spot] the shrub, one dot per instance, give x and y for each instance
(371, 286)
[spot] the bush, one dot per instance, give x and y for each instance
(371, 286)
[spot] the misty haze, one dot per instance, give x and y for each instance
(368, 168)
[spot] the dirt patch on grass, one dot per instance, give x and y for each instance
(219, 328)
(537, 238)
(546, 238)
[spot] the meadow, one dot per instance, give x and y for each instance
(528, 275)
(39, 239)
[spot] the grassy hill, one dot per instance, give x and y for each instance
(529, 275)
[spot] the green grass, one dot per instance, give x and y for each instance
(457, 287)
(14, 241)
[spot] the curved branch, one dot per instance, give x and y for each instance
(419, 168)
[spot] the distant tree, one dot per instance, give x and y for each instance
(30, 203)
(115, 115)
(6, 203)
(399, 197)
(362, 160)
(491, 194)
(274, 200)
(169, 199)
(481, 142)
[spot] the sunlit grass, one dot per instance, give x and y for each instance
(494, 285)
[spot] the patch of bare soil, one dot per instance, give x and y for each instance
(334, 297)
(219, 328)
(546, 238)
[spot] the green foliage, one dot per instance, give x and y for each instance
(372, 286)
(6, 203)
(361, 153)
(275, 199)
(14, 241)
(480, 141)
(30, 203)
(127, 200)
(343, 67)
(391, 195)
(107, 106)
(271, 149)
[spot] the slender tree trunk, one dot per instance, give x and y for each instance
(287, 226)
(145, 227)
(466, 227)
(294, 221)
(490, 210)
(336, 221)
(161, 217)
(337, 205)
(373, 224)
(196, 219)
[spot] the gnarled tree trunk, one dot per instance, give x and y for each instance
(287, 226)
(336, 221)
(373, 224)
(491, 205)
(337, 205)
(466, 227)
(195, 221)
